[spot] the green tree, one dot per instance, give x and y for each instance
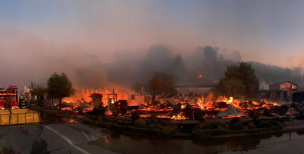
(59, 86)
(36, 90)
(163, 83)
(230, 86)
(246, 74)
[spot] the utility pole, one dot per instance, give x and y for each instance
(290, 99)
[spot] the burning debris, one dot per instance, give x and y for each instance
(181, 107)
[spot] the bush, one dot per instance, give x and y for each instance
(125, 123)
(100, 111)
(168, 130)
(107, 125)
(135, 115)
(154, 127)
(115, 112)
(276, 123)
(235, 120)
(263, 124)
(207, 126)
(140, 123)
(201, 134)
(255, 115)
(237, 126)
(251, 126)
(220, 125)
(216, 132)
(101, 124)
(154, 118)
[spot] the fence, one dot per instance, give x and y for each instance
(22, 116)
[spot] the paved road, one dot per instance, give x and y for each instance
(59, 138)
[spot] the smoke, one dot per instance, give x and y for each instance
(29, 58)
(264, 85)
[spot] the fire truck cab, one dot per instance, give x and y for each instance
(9, 98)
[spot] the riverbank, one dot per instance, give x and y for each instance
(154, 130)
(217, 128)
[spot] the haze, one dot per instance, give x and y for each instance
(92, 41)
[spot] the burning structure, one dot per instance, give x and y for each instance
(181, 107)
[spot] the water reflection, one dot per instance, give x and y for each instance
(51, 119)
(130, 144)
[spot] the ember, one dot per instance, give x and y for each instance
(178, 108)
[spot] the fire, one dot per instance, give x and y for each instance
(230, 100)
(178, 117)
(230, 117)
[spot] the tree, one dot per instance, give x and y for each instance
(59, 86)
(229, 86)
(246, 74)
(163, 83)
(36, 90)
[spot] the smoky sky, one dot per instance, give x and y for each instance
(202, 65)
(118, 43)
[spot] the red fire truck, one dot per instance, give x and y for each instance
(9, 98)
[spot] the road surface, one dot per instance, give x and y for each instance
(58, 138)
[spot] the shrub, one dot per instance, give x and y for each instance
(235, 120)
(207, 126)
(100, 111)
(168, 130)
(94, 118)
(263, 124)
(216, 132)
(276, 123)
(135, 115)
(154, 118)
(115, 112)
(251, 126)
(154, 127)
(107, 125)
(100, 124)
(125, 123)
(237, 126)
(220, 125)
(140, 123)
(201, 134)
(255, 115)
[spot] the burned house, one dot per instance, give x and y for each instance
(282, 91)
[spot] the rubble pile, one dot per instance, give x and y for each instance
(181, 107)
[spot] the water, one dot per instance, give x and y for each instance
(134, 144)
(131, 145)
(51, 119)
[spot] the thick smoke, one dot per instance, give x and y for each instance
(28, 58)
(206, 65)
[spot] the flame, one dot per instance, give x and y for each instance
(178, 117)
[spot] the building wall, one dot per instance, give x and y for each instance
(274, 87)
(287, 85)
(279, 86)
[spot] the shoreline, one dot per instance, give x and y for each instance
(178, 135)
